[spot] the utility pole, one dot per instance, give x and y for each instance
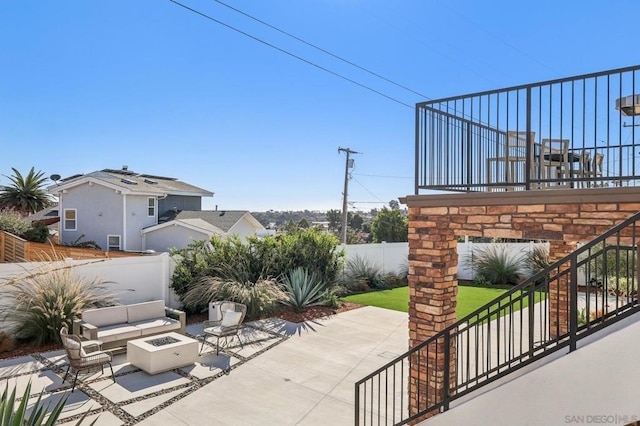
(348, 164)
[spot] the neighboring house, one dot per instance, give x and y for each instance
(49, 216)
(178, 229)
(112, 207)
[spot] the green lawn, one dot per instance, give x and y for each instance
(470, 298)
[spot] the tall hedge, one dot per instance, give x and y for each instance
(258, 258)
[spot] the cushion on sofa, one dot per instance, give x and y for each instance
(105, 316)
(112, 333)
(157, 325)
(145, 311)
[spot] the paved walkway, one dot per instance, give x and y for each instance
(286, 374)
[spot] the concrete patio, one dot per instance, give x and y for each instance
(286, 374)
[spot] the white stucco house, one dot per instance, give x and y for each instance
(124, 210)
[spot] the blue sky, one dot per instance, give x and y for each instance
(100, 84)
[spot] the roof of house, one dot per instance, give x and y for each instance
(220, 219)
(131, 182)
(44, 214)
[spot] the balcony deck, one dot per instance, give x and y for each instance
(575, 132)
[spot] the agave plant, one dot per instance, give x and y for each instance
(40, 414)
(303, 289)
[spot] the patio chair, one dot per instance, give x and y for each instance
(84, 355)
(225, 319)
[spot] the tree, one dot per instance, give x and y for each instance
(355, 221)
(394, 205)
(390, 226)
(304, 224)
(25, 194)
(334, 217)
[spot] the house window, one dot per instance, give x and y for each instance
(151, 207)
(70, 219)
(113, 242)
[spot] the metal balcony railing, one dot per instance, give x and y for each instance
(576, 132)
(549, 311)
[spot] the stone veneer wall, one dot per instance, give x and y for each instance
(564, 217)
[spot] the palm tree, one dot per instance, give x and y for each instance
(25, 194)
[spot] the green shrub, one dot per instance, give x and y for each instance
(303, 289)
(332, 296)
(622, 286)
(538, 259)
(40, 303)
(611, 259)
(361, 275)
(79, 242)
(257, 259)
(261, 298)
(498, 264)
(13, 223)
(481, 280)
(38, 233)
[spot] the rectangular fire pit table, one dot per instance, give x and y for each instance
(163, 352)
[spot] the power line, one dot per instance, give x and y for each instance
(517, 49)
(366, 189)
(384, 176)
(301, 40)
(197, 12)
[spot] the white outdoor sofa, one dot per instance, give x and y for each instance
(115, 325)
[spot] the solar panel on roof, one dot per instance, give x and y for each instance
(120, 172)
(157, 177)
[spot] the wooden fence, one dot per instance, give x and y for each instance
(16, 249)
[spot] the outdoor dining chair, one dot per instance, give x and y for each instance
(84, 355)
(225, 319)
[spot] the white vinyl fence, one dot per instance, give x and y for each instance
(390, 258)
(134, 279)
(467, 252)
(144, 278)
(393, 257)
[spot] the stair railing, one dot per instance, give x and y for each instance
(591, 288)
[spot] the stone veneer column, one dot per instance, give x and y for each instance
(559, 289)
(433, 287)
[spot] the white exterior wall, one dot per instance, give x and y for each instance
(174, 235)
(137, 218)
(99, 213)
(243, 229)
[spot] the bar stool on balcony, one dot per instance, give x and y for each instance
(590, 169)
(553, 161)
